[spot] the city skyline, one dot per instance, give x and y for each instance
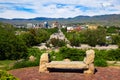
(57, 8)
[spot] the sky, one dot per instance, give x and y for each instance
(57, 8)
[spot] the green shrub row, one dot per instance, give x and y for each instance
(100, 62)
(78, 54)
(71, 53)
(101, 56)
(25, 63)
(110, 55)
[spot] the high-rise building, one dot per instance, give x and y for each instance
(45, 25)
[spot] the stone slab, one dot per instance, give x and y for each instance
(66, 65)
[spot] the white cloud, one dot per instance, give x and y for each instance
(92, 7)
(15, 14)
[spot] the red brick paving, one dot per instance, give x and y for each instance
(103, 73)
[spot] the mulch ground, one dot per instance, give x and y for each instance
(102, 73)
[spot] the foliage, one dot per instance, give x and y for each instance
(91, 37)
(6, 64)
(101, 56)
(116, 40)
(11, 46)
(34, 52)
(6, 76)
(64, 30)
(36, 36)
(113, 55)
(51, 30)
(74, 40)
(21, 29)
(28, 39)
(82, 37)
(112, 29)
(43, 35)
(55, 56)
(26, 63)
(101, 36)
(57, 42)
(100, 62)
(118, 45)
(95, 37)
(72, 54)
(14, 46)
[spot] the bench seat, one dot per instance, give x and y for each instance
(67, 65)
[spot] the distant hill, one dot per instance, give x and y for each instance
(112, 19)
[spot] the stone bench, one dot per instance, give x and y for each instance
(87, 64)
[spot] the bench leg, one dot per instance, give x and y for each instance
(91, 69)
(43, 61)
(43, 68)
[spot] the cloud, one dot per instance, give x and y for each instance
(57, 8)
(16, 6)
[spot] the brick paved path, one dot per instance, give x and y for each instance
(103, 73)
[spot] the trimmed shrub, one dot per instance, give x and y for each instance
(55, 56)
(113, 55)
(34, 52)
(101, 54)
(71, 53)
(100, 62)
(25, 63)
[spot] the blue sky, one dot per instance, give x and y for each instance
(57, 8)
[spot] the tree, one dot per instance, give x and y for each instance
(91, 37)
(43, 35)
(11, 46)
(74, 40)
(28, 39)
(35, 37)
(82, 37)
(95, 37)
(57, 42)
(116, 40)
(101, 36)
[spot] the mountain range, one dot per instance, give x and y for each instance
(111, 19)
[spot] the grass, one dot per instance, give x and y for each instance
(6, 64)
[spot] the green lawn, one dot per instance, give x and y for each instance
(6, 64)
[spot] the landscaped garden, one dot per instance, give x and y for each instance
(16, 49)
